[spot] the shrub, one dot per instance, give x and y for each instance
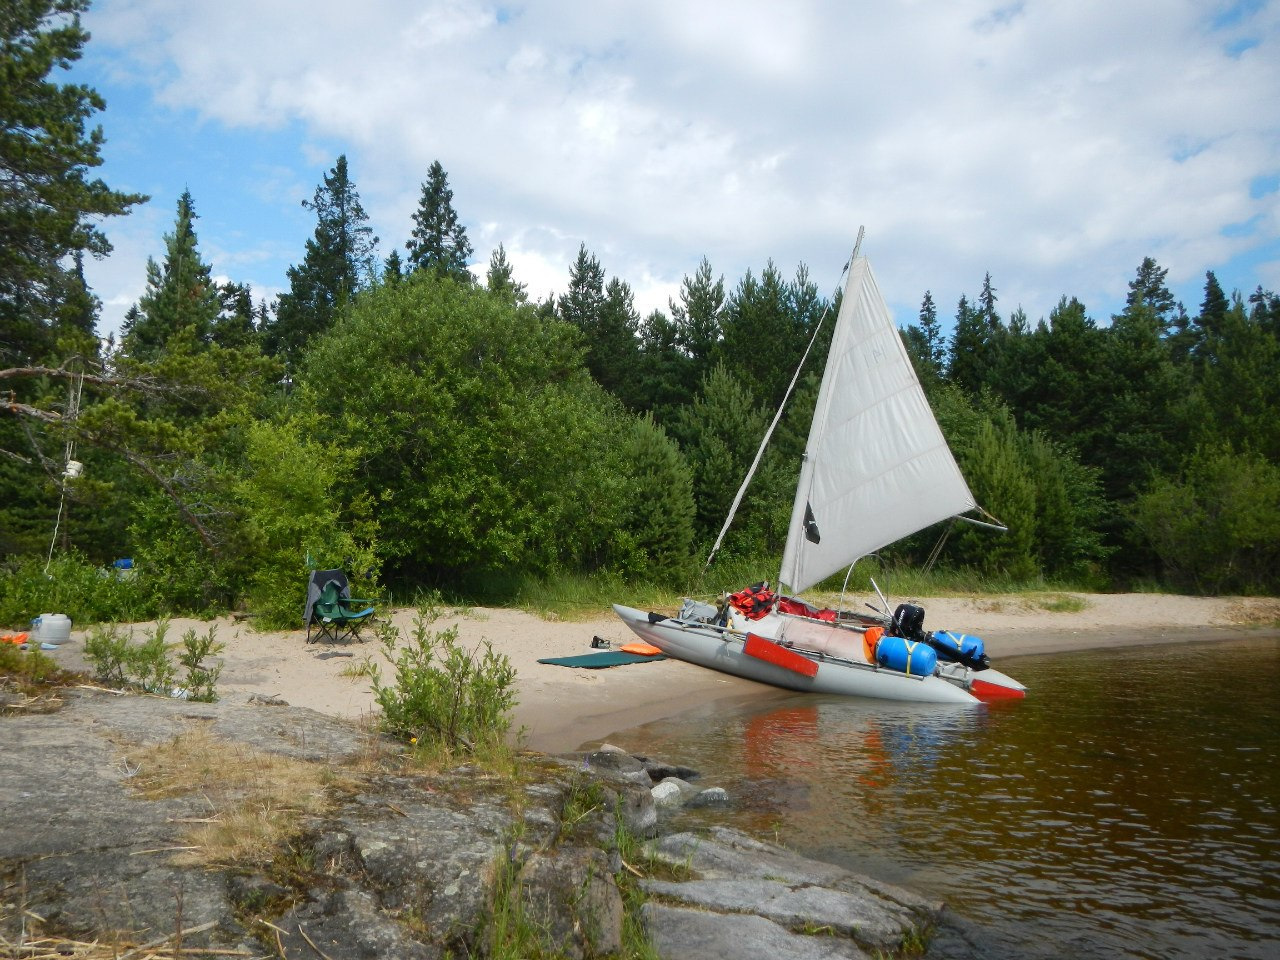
(1216, 529)
(117, 660)
(443, 695)
(72, 585)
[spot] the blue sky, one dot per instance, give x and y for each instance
(1053, 145)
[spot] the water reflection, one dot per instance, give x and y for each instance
(1127, 808)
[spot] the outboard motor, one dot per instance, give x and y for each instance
(908, 622)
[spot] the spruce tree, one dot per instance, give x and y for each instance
(500, 278)
(181, 298)
(925, 345)
(339, 261)
(613, 354)
(439, 242)
(969, 348)
(234, 326)
(1148, 289)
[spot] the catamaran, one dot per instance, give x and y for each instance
(876, 469)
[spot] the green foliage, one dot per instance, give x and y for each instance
(444, 696)
(997, 474)
(117, 660)
(719, 434)
(293, 521)
(176, 571)
(1050, 503)
(73, 586)
(439, 242)
(500, 278)
(766, 325)
(181, 298)
(27, 666)
(655, 536)
(200, 680)
(49, 208)
(339, 261)
(147, 665)
(485, 445)
(1216, 528)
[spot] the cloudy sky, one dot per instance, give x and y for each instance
(1053, 144)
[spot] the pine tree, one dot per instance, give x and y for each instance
(665, 381)
(1214, 307)
(500, 278)
(439, 242)
(764, 338)
(49, 210)
(582, 302)
(339, 261)
(698, 318)
(393, 269)
(1148, 289)
(613, 354)
(181, 298)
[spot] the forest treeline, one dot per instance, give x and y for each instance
(423, 423)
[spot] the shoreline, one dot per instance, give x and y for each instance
(563, 708)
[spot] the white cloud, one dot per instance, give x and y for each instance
(1054, 145)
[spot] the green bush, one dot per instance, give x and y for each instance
(117, 660)
(73, 586)
(443, 695)
(292, 519)
(1216, 528)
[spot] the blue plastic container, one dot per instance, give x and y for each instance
(908, 656)
(958, 646)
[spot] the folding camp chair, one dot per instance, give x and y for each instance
(331, 609)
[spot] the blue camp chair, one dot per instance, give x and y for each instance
(332, 611)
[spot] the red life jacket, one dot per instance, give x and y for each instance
(753, 602)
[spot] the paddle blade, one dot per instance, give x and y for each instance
(762, 649)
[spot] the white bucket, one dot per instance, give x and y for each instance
(52, 628)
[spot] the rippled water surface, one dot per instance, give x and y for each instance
(1130, 807)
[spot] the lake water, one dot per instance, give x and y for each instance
(1129, 807)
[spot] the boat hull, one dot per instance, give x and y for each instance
(722, 649)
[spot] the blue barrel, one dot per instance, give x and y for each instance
(958, 646)
(909, 656)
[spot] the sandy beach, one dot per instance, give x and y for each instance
(562, 708)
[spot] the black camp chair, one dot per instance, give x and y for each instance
(331, 610)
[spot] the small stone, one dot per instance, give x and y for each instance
(711, 797)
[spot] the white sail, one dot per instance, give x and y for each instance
(876, 466)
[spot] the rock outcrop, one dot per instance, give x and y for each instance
(373, 859)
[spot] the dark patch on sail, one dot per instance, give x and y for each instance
(811, 526)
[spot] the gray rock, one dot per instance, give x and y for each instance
(667, 795)
(619, 763)
(711, 797)
(570, 894)
(870, 920)
(735, 874)
(402, 864)
(679, 933)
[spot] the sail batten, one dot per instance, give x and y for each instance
(876, 466)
